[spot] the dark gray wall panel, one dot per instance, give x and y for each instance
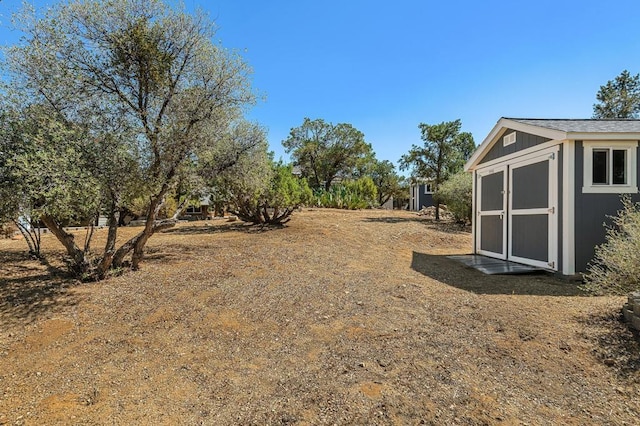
(492, 188)
(523, 141)
(559, 213)
(591, 213)
(530, 236)
(530, 186)
(491, 234)
(424, 200)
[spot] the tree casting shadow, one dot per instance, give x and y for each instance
(24, 299)
(222, 228)
(458, 275)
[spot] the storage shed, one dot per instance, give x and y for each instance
(420, 195)
(543, 188)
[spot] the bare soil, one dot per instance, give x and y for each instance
(340, 318)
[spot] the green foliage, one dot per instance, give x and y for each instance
(274, 200)
(615, 268)
(619, 98)
(324, 151)
(287, 190)
(443, 154)
(351, 194)
(387, 182)
(456, 193)
(137, 97)
(45, 166)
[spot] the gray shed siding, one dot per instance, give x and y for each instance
(421, 199)
(523, 141)
(591, 213)
(560, 213)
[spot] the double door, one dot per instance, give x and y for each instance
(516, 211)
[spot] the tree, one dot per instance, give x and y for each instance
(443, 154)
(142, 90)
(619, 98)
(388, 183)
(15, 204)
(325, 151)
(257, 189)
(274, 202)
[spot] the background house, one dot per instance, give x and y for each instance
(200, 211)
(544, 188)
(420, 195)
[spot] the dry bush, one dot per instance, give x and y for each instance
(615, 268)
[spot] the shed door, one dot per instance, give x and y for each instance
(533, 216)
(491, 235)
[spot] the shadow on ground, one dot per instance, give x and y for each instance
(221, 228)
(443, 226)
(24, 299)
(617, 346)
(455, 274)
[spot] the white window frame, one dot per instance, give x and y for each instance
(428, 189)
(509, 139)
(194, 210)
(631, 187)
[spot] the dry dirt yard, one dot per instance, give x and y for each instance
(340, 318)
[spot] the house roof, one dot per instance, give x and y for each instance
(559, 129)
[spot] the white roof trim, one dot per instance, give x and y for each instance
(608, 136)
(498, 130)
(559, 135)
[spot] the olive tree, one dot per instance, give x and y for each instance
(143, 90)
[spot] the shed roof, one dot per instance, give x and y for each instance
(589, 125)
(559, 129)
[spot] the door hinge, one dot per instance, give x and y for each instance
(552, 264)
(552, 210)
(552, 156)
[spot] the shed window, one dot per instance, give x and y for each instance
(610, 168)
(194, 209)
(428, 189)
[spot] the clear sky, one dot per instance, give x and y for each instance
(386, 66)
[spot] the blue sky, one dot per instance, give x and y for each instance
(386, 66)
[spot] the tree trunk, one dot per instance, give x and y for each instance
(33, 240)
(109, 247)
(138, 242)
(79, 263)
(147, 232)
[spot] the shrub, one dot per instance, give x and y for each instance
(351, 194)
(275, 202)
(615, 268)
(457, 194)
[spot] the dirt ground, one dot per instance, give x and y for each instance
(340, 318)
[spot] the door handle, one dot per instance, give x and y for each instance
(501, 215)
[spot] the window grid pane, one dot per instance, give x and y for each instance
(600, 166)
(619, 165)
